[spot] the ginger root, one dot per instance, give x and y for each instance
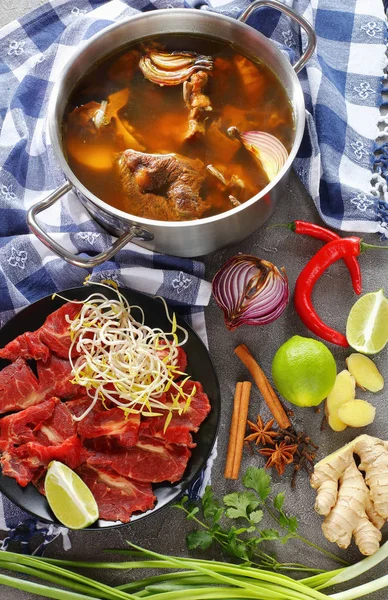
(351, 504)
(365, 372)
(344, 390)
(357, 413)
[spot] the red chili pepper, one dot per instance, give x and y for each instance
(317, 265)
(321, 233)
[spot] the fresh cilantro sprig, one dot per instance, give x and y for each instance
(234, 523)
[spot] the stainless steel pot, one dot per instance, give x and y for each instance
(183, 238)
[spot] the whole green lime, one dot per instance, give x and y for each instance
(304, 371)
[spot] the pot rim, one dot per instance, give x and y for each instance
(55, 127)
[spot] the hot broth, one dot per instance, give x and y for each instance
(115, 108)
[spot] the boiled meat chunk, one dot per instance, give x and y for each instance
(198, 103)
(163, 186)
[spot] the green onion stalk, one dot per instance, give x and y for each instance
(190, 578)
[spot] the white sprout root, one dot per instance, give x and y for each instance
(124, 361)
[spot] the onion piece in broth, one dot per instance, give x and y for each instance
(268, 149)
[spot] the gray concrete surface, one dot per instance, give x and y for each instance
(165, 532)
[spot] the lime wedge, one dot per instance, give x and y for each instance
(69, 497)
(367, 325)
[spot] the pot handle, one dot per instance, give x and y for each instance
(86, 263)
(312, 38)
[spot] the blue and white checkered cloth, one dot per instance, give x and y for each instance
(343, 85)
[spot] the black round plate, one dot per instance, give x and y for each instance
(200, 368)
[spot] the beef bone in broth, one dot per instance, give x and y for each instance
(116, 108)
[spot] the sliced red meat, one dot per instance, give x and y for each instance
(150, 460)
(57, 428)
(55, 330)
(117, 497)
(53, 336)
(24, 463)
(180, 426)
(112, 425)
(78, 406)
(55, 378)
(180, 361)
(178, 434)
(20, 428)
(19, 388)
(104, 444)
(27, 345)
(22, 471)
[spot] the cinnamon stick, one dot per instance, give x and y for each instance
(233, 432)
(242, 421)
(267, 391)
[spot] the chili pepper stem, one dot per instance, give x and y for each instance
(365, 246)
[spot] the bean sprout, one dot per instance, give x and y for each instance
(122, 360)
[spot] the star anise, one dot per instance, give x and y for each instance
(280, 456)
(306, 450)
(263, 433)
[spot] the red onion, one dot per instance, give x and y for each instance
(173, 68)
(265, 147)
(250, 291)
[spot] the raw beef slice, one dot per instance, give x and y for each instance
(19, 388)
(25, 462)
(150, 460)
(53, 336)
(180, 360)
(180, 426)
(57, 428)
(20, 428)
(55, 378)
(109, 427)
(117, 497)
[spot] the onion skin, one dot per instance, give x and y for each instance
(250, 291)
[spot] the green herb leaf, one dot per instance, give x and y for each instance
(192, 512)
(256, 516)
(279, 501)
(241, 503)
(181, 503)
(199, 539)
(210, 505)
(285, 538)
(244, 529)
(238, 549)
(269, 534)
(289, 523)
(259, 481)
